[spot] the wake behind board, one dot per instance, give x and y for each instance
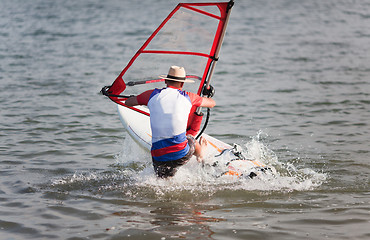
(222, 158)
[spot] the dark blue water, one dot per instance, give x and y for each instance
(292, 87)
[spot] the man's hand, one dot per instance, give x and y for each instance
(210, 92)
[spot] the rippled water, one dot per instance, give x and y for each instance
(292, 87)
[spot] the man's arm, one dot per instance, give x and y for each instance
(141, 99)
(208, 102)
(131, 101)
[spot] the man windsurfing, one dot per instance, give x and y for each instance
(169, 110)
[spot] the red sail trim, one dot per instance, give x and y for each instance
(223, 10)
(177, 52)
(119, 85)
(136, 109)
(201, 11)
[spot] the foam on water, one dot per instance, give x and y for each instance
(133, 176)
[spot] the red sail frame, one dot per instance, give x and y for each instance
(119, 85)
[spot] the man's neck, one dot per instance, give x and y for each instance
(177, 85)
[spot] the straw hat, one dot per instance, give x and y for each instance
(176, 74)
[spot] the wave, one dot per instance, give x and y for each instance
(132, 176)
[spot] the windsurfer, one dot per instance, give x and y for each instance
(169, 112)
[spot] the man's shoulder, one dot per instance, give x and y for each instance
(195, 98)
(144, 97)
(192, 94)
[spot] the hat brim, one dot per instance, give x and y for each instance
(187, 80)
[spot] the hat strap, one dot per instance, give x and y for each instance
(174, 77)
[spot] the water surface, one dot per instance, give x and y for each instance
(292, 88)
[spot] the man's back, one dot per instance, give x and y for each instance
(169, 111)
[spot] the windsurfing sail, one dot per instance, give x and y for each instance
(190, 36)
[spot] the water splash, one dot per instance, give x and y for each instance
(132, 175)
(196, 179)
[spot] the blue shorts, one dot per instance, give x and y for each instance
(169, 168)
